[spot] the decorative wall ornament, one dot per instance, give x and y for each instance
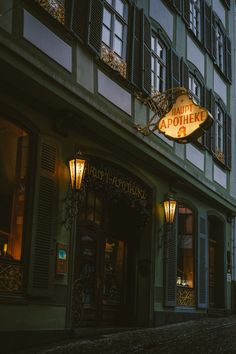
(54, 8)
(220, 156)
(11, 277)
(185, 296)
(113, 60)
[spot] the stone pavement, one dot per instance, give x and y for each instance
(207, 335)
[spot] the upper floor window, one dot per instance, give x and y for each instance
(114, 26)
(219, 48)
(14, 150)
(158, 66)
(219, 130)
(194, 17)
(195, 88)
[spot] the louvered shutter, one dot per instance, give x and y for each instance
(202, 261)
(170, 266)
(175, 69)
(95, 25)
(210, 105)
(228, 141)
(136, 49)
(146, 55)
(79, 23)
(186, 12)
(228, 66)
(203, 103)
(208, 29)
(42, 260)
(184, 74)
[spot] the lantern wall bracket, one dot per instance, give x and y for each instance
(159, 103)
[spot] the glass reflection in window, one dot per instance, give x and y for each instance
(14, 149)
(113, 270)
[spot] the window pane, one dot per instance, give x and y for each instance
(153, 43)
(109, 2)
(120, 7)
(14, 149)
(185, 262)
(106, 36)
(118, 46)
(118, 29)
(107, 18)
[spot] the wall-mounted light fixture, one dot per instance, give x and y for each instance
(77, 166)
(169, 207)
(77, 169)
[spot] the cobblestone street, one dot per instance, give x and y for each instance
(209, 335)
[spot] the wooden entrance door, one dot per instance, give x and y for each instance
(100, 279)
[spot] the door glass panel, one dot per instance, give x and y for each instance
(88, 253)
(113, 271)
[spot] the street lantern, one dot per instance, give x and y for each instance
(169, 207)
(77, 169)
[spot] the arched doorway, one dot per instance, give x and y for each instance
(108, 251)
(216, 262)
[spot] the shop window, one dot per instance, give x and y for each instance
(14, 150)
(185, 248)
(158, 65)
(114, 34)
(195, 17)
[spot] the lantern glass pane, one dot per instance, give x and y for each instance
(76, 172)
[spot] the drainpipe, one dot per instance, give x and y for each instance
(233, 257)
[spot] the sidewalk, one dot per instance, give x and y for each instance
(208, 335)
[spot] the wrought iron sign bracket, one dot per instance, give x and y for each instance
(176, 114)
(159, 103)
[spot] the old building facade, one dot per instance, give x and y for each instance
(84, 75)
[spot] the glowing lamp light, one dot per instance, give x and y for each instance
(77, 169)
(170, 207)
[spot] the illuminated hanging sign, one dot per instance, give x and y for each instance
(186, 121)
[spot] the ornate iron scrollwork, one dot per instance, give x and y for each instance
(185, 296)
(11, 277)
(113, 60)
(54, 8)
(160, 104)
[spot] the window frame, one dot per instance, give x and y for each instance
(116, 16)
(195, 18)
(163, 64)
(193, 234)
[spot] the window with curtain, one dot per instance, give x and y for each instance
(158, 65)
(14, 151)
(185, 247)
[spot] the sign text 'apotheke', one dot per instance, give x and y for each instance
(184, 119)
